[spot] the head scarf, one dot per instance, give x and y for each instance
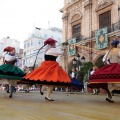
(115, 42)
(8, 49)
(50, 41)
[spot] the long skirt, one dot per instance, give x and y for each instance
(107, 74)
(48, 73)
(76, 83)
(10, 72)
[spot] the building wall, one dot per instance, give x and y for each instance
(86, 12)
(37, 38)
(11, 42)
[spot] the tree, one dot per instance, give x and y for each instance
(69, 71)
(99, 63)
(84, 71)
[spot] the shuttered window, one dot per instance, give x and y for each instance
(105, 19)
(76, 32)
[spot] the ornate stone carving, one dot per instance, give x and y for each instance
(65, 16)
(75, 18)
(76, 10)
(87, 4)
(103, 4)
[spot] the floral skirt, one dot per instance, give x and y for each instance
(107, 74)
(9, 71)
(48, 73)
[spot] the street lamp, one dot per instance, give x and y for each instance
(78, 57)
(74, 61)
(78, 61)
(82, 59)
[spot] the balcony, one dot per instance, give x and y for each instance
(112, 28)
(80, 38)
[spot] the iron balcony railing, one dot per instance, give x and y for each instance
(79, 37)
(113, 27)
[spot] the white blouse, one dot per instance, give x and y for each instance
(9, 57)
(54, 52)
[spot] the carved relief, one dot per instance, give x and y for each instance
(65, 16)
(76, 10)
(102, 4)
(75, 17)
(87, 4)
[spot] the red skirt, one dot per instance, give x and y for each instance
(48, 73)
(107, 74)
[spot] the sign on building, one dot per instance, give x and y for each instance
(71, 47)
(101, 38)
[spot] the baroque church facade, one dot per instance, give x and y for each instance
(89, 26)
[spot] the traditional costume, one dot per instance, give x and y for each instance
(49, 72)
(8, 70)
(108, 75)
(75, 84)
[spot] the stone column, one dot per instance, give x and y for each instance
(88, 23)
(65, 38)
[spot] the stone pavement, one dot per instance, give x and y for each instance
(79, 106)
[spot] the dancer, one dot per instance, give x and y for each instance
(49, 73)
(75, 84)
(108, 77)
(9, 70)
(95, 90)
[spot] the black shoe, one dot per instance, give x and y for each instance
(7, 91)
(10, 96)
(49, 99)
(40, 90)
(26, 91)
(111, 101)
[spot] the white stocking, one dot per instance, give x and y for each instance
(50, 89)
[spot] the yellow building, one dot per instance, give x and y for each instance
(93, 24)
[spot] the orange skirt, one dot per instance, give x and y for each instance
(48, 73)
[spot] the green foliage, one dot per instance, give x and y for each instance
(65, 43)
(69, 71)
(83, 74)
(80, 76)
(99, 62)
(86, 77)
(87, 66)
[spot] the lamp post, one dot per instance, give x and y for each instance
(82, 59)
(78, 61)
(74, 62)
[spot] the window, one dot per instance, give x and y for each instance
(24, 45)
(59, 39)
(52, 37)
(105, 19)
(45, 36)
(28, 44)
(76, 32)
(24, 53)
(31, 43)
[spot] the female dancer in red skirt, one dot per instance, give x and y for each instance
(108, 77)
(49, 73)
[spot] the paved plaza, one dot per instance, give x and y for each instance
(77, 106)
